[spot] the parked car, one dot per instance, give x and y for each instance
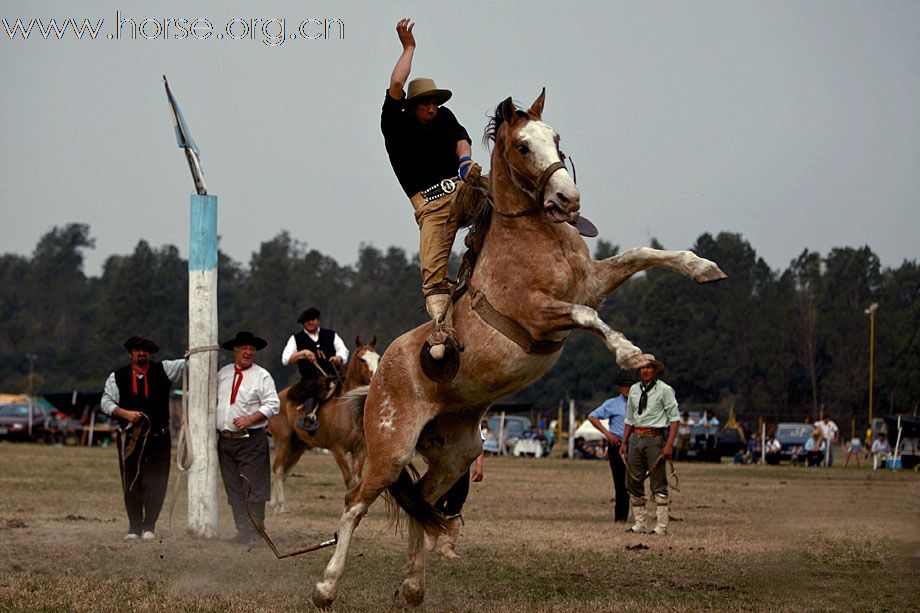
(706, 448)
(515, 427)
(14, 422)
(791, 437)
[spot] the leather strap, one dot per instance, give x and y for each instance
(537, 194)
(512, 329)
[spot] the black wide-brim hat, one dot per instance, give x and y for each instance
(139, 342)
(245, 337)
(627, 377)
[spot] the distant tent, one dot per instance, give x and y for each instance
(588, 432)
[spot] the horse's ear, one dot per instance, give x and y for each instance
(508, 110)
(373, 342)
(357, 341)
(536, 108)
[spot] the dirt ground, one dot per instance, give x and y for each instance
(538, 537)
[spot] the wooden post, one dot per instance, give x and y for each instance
(571, 428)
(202, 366)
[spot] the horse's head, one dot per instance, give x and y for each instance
(365, 360)
(527, 149)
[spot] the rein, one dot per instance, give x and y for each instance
(673, 481)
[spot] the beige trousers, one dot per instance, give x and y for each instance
(437, 238)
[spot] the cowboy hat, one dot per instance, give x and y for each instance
(423, 87)
(139, 342)
(245, 338)
(627, 377)
(648, 358)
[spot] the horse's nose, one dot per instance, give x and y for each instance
(562, 197)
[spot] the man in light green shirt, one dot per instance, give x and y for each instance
(648, 441)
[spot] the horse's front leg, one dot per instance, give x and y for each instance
(609, 274)
(628, 356)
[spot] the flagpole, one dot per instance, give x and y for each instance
(202, 339)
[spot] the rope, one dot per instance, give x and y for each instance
(673, 481)
(184, 455)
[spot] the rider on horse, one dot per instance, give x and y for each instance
(317, 352)
(430, 154)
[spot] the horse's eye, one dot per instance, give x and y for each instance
(523, 149)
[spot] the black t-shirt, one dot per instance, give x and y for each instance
(421, 154)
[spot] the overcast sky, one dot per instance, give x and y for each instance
(794, 124)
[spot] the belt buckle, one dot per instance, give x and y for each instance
(448, 186)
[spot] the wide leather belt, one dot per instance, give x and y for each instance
(441, 188)
(234, 434)
(648, 431)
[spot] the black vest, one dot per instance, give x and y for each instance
(156, 407)
(326, 344)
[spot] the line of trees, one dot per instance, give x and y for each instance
(780, 344)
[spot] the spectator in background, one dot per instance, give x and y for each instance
(830, 433)
(881, 449)
(684, 431)
(614, 411)
(814, 449)
(711, 423)
(853, 449)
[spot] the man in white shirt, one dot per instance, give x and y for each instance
(830, 433)
(316, 352)
(881, 449)
(246, 400)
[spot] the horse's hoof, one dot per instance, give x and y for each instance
(414, 594)
(709, 274)
(632, 362)
(321, 599)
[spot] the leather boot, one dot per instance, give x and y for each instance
(436, 305)
(661, 513)
(450, 539)
(640, 515)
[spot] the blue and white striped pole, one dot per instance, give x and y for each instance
(202, 366)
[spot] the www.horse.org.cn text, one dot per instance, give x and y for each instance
(272, 32)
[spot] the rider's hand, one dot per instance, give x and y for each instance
(468, 169)
(623, 451)
(337, 360)
(404, 31)
(667, 451)
(309, 356)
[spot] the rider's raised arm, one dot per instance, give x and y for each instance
(404, 64)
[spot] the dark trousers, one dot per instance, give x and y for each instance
(247, 457)
(452, 501)
(144, 495)
(618, 470)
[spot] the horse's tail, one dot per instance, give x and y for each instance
(353, 401)
(405, 493)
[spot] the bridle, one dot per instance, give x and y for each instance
(533, 189)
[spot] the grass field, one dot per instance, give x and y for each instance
(538, 537)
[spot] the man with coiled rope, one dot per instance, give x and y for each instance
(137, 395)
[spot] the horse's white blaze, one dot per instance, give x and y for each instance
(540, 139)
(372, 359)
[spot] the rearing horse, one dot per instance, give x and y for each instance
(535, 271)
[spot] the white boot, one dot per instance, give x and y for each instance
(640, 515)
(450, 539)
(436, 304)
(661, 512)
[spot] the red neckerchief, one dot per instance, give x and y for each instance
(237, 372)
(140, 372)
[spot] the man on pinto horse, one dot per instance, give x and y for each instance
(316, 351)
(430, 154)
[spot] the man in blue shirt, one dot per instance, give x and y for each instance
(614, 411)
